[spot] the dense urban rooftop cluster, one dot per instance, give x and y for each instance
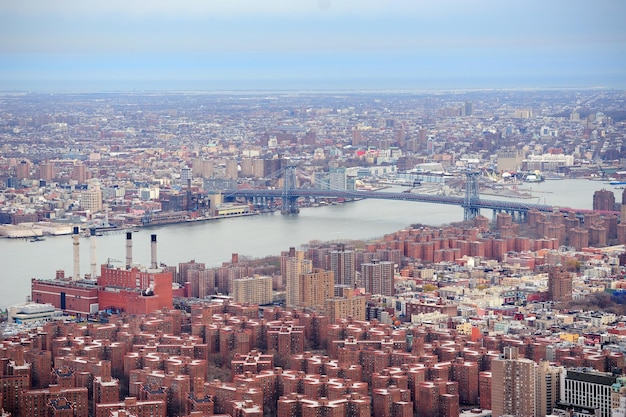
(519, 316)
(120, 157)
(436, 309)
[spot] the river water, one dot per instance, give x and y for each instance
(213, 242)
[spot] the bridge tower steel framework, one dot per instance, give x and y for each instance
(289, 197)
(470, 207)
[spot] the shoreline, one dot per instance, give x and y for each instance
(115, 230)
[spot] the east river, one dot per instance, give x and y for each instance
(213, 242)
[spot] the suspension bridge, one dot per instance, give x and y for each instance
(472, 203)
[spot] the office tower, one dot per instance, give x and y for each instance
(468, 108)
(377, 277)
(548, 387)
(589, 390)
(513, 387)
(253, 290)
(559, 284)
(604, 200)
(91, 199)
(295, 265)
(342, 265)
(316, 287)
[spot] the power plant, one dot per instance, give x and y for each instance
(133, 289)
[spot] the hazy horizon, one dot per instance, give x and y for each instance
(310, 45)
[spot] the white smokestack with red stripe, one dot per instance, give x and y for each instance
(76, 243)
(153, 253)
(129, 249)
(94, 261)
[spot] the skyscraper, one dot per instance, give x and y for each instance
(548, 387)
(377, 277)
(468, 108)
(604, 200)
(513, 385)
(294, 267)
(342, 265)
(316, 287)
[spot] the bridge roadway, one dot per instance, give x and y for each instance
(496, 205)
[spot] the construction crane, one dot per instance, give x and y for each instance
(110, 262)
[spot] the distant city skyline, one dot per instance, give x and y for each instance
(318, 44)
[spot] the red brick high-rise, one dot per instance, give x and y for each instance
(377, 277)
(22, 170)
(105, 388)
(134, 408)
(604, 200)
(34, 403)
(559, 284)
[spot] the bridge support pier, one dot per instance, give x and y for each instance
(290, 201)
(470, 206)
(290, 206)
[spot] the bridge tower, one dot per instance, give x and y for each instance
(290, 200)
(470, 207)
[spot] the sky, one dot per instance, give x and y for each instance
(115, 45)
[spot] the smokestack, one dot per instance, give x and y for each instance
(153, 258)
(76, 238)
(129, 249)
(92, 257)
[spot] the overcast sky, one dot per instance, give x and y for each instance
(311, 44)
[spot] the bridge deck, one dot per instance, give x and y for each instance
(498, 205)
